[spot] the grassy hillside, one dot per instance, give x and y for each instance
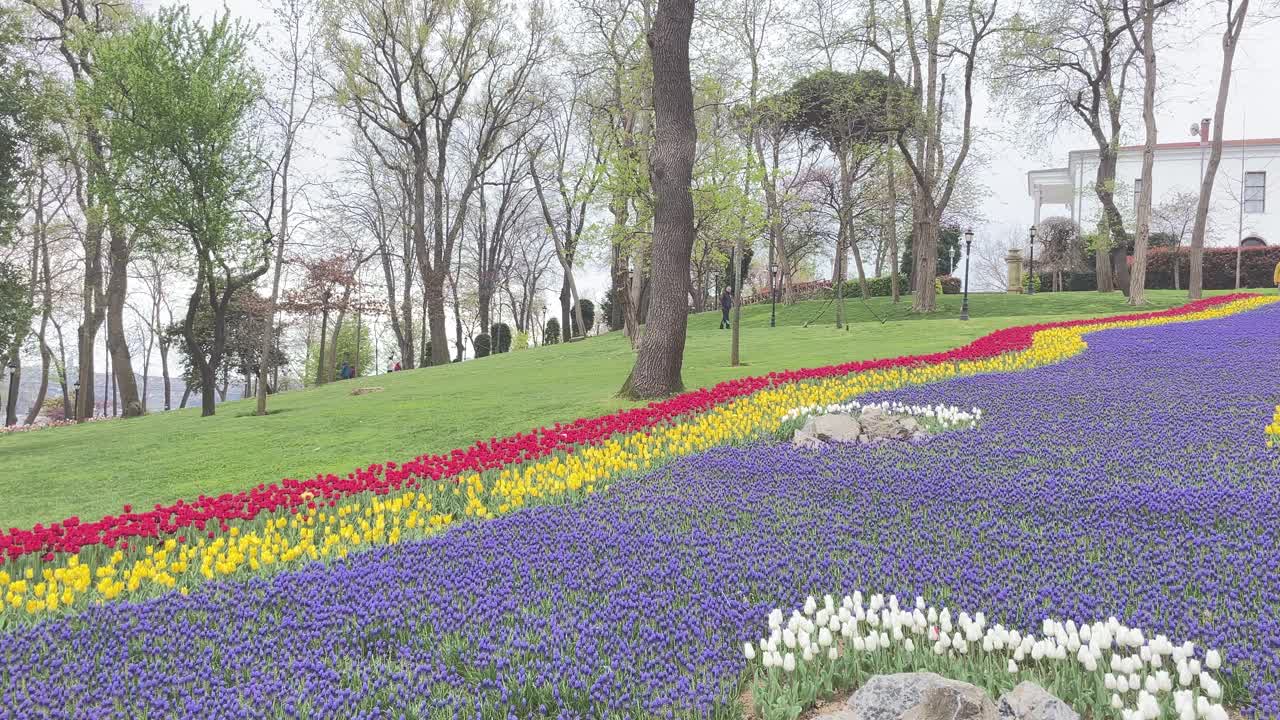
(94, 469)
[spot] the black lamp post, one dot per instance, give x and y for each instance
(1031, 264)
(75, 408)
(12, 399)
(773, 292)
(968, 246)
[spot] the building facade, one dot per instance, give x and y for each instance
(1245, 207)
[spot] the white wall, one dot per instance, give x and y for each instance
(1178, 170)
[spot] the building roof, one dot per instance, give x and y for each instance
(1248, 142)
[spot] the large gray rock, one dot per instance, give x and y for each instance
(1029, 701)
(920, 696)
(880, 425)
(822, 429)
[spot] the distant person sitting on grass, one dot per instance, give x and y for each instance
(345, 372)
(397, 367)
(391, 364)
(726, 302)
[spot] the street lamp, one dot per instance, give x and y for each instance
(773, 292)
(12, 400)
(1031, 265)
(968, 247)
(75, 408)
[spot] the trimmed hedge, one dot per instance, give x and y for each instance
(1256, 268)
(500, 335)
(482, 344)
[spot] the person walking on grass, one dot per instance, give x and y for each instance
(726, 304)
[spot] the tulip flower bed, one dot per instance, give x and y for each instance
(71, 565)
(1126, 481)
(1104, 667)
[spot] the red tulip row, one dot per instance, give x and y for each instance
(205, 513)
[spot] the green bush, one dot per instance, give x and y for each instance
(588, 317)
(551, 335)
(520, 342)
(426, 355)
(482, 344)
(501, 335)
(950, 285)
(1027, 281)
(878, 286)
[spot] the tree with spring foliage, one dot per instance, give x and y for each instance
(178, 96)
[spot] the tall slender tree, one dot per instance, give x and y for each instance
(1236, 17)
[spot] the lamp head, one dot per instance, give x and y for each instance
(968, 236)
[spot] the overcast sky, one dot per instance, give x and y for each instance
(1188, 67)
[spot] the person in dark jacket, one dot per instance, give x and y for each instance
(726, 304)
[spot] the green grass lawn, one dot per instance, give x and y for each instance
(94, 469)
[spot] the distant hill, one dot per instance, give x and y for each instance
(29, 385)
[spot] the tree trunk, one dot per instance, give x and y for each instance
(117, 293)
(891, 226)
(436, 317)
(268, 330)
(657, 371)
(1230, 39)
(1138, 276)
(164, 371)
(186, 395)
(321, 375)
(1113, 234)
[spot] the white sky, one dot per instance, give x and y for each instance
(1188, 68)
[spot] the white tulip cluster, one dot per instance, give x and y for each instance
(947, 417)
(1140, 673)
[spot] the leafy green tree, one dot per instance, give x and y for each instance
(500, 333)
(551, 334)
(588, 316)
(849, 113)
(242, 337)
(15, 308)
(177, 98)
(355, 351)
(950, 238)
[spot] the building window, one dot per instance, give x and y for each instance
(1255, 192)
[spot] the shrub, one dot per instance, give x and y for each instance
(588, 317)
(1029, 280)
(521, 341)
(551, 335)
(501, 336)
(482, 344)
(426, 355)
(878, 286)
(950, 285)
(53, 409)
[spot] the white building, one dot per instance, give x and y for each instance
(1251, 216)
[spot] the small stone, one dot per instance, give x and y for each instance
(1029, 701)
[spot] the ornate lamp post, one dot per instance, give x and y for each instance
(76, 400)
(773, 293)
(968, 247)
(1031, 264)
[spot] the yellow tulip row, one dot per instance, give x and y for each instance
(265, 544)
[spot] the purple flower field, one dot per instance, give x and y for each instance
(1131, 481)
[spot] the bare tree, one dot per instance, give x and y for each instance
(289, 114)
(565, 166)
(1138, 276)
(931, 39)
(1236, 16)
(411, 74)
